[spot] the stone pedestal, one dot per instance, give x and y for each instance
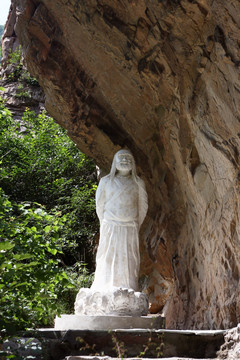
(117, 302)
(110, 322)
(120, 308)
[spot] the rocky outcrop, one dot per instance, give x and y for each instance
(230, 350)
(20, 95)
(9, 40)
(161, 78)
(18, 89)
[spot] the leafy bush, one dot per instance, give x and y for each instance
(47, 220)
(41, 164)
(30, 276)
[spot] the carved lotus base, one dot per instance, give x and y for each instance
(121, 302)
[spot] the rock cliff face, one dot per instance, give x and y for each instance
(160, 77)
(18, 89)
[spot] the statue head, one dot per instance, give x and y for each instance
(123, 160)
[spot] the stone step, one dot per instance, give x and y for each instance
(110, 358)
(126, 343)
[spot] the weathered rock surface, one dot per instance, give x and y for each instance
(9, 41)
(162, 78)
(18, 98)
(20, 91)
(230, 350)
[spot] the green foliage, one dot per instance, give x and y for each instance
(19, 72)
(30, 276)
(41, 164)
(80, 278)
(21, 93)
(47, 220)
(15, 59)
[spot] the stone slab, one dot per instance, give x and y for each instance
(128, 343)
(122, 343)
(110, 322)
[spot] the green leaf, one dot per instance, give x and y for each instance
(52, 251)
(20, 266)
(47, 229)
(22, 284)
(33, 263)
(22, 256)
(7, 245)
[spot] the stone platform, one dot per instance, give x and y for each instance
(109, 322)
(125, 343)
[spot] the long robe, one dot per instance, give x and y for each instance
(121, 205)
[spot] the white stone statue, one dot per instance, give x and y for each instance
(121, 205)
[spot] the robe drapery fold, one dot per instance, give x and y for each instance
(121, 205)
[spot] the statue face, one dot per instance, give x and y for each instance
(124, 162)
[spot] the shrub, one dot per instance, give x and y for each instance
(31, 276)
(47, 220)
(41, 164)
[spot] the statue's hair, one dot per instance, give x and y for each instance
(114, 169)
